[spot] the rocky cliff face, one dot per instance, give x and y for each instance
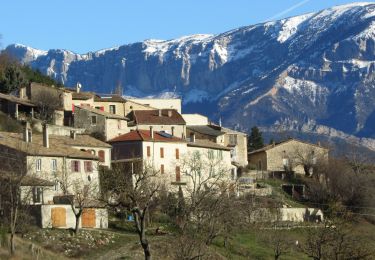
(314, 70)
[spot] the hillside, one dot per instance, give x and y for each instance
(314, 71)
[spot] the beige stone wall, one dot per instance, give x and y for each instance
(88, 102)
(119, 107)
(292, 150)
(115, 127)
(130, 106)
(240, 150)
(258, 160)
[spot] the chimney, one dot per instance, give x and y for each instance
(27, 133)
(172, 130)
(45, 136)
(160, 112)
(192, 137)
(151, 132)
(169, 113)
(73, 134)
(78, 87)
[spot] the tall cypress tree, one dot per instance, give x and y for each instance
(255, 139)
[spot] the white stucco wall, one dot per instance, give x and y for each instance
(63, 169)
(160, 103)
(101, 217)
(195, 119)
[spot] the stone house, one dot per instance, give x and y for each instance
(168, 154)
(98, 121)
(164, 120)
(292, 154)
(50, 167)
(236, 141)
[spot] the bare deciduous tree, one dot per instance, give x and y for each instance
(135, 191)
(47, 102)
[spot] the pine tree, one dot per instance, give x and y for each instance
(255, 139)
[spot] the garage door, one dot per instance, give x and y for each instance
(58, 216)
(88, 218)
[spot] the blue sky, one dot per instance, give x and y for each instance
(89, 25)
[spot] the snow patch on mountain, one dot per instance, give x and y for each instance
(303, 87)
(290, 26)
(195, 96)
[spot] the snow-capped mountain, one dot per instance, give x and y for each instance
(316, 68)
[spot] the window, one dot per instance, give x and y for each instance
(56, 186)
(37, 194)
(54, 165)
(148, 151)
(93, 120)
(220, 155)
(119, 124)
(210, 154)
(161, 152)
(233, 139)
(112, 109)
(75, 166)
(101, 155)
(88, 166)
(178, 174)
(177, 153)
(233, 174)
(38, 165)
(162, 168)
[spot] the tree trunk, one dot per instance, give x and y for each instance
(76, 229)
(12, 244)
(146, 249)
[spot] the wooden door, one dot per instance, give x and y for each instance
(88, 218)
(58, 216)
(178, 174)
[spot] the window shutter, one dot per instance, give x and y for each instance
(177, 153)
(161, 152)
(72, 166)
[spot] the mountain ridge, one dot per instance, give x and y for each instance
(317, 67)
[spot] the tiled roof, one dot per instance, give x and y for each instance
(151, 117)
(111, 98)
(206, 130)
(268, 147)
(80, 140)
(144, 135)
(16, 100)
(57, 146)
(26, 180)
(207, 144)
(100, 112)
(82, 95)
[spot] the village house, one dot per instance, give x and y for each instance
(290, 155)
(235, 140)
(15, 107)
(167, 154)
(164, 120)
(51, 168)
(100, 122)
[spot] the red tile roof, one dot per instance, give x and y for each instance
(144, 135)
(151, 117)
